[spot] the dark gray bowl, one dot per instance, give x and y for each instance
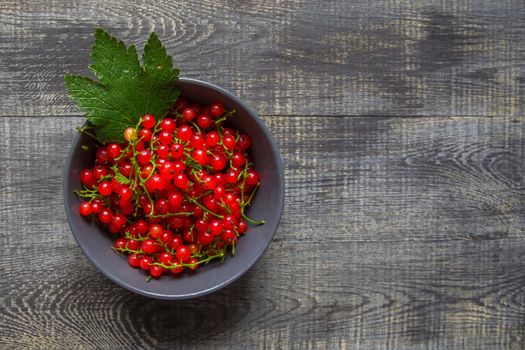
(267, 205)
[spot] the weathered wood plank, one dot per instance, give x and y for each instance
(398, 233)
(394, 58)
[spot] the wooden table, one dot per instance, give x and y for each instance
(401, 125)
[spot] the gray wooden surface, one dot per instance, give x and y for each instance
(401, 125)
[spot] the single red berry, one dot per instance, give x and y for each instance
(167, 124)
(134, 260)
(148, 121)
(168, 170)
(252, 177)
(188, 114)
(243, 142)
(193, 264)
(148, 246)
(85, 208)
(144, 157)
(145, 135)
(96, 206)
(175, 242)
(165, 137)
(176, 150)
(177, 270)
(87, 177)
(212, 138)
(238, 160)
(197, 140)
(181, 181)
(166, 237)
(229, 222)
(228, 236)
(194, 248)
(182, 253)
(155, 231)
(145, 262)
(105, 215)
(166, 258)
(104, 188)
(209, 182)
(204, 121)
(231, 176)
(175, 199)
(229, 142)
(132, 244)
(163, 151)
(157, 181)
(216, 109)
(216, 227)
(184, 132)
(99, 171)
(113, 150)
(218, 162)
(102, 155)
(118, 220)
(200, 156)
(242, 226)
(125, 193)
(120, 243)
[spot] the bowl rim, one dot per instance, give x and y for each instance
(231, 279)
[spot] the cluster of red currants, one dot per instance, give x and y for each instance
(174, 193)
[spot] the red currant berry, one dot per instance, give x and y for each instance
(184, 133)
(145, 135)
(182, 253)
(148, 121)
(243, 142)
(216, 109)
(193, 264)
(167, 124)
(197, 141)
(212, 138)
(132, 244)
(204, 121)
(120, 243)
(104, 188)
(113, 150)
(148, 246)
(96, 206)
(176, 150)
(165, 137)
(105, 215)
(188, 114)
(242, 226)
(252, 177)
(144, 157)
(145, 262)
(87, 177)
(85, 208)
(134, 260)
(163, 151)
(155, 231)
(229, 142)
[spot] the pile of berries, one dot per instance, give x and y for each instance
(174, 193)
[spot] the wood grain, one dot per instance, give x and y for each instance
(398, 233)
(291, 57)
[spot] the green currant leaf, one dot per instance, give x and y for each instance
(124, 91)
